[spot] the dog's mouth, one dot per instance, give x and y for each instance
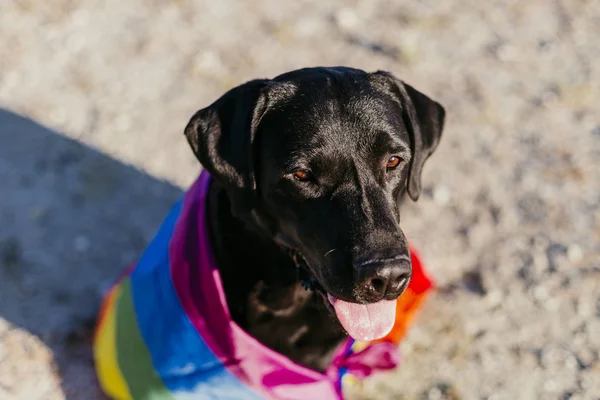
(363, 322)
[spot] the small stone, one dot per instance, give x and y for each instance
(441, 195)
(548, 97)
(550, 386)
(75, 43)
(59, 116)
(588, 381)
(540, 293)
(208, 61)
(346, 18)
(306, 27)
(585, 358)
(80, 18)
(579, 339)
(37, 213)
(81, 244)
(543, 44)
(541, 263)
(556, 254)
(572, 363)
(593, 329)
(123, 123)
(13, 79)
(11, 252)
(552, 304)
(585, 308)
(473, 282)
(435, 394)
(531, 208)
(506, 53)
(472, 328)
(574, 253)
(494, 298)
(552, 356)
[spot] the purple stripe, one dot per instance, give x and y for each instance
(199, 288)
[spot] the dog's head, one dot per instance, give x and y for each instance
(319, 160)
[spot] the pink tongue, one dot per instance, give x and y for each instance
(365, 322)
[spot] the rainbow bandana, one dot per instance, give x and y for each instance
(165, 333)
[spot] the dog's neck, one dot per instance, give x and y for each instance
(263, 292)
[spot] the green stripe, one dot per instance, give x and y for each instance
(132, 353)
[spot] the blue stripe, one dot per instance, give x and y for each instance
(180, 356)
(343, 371)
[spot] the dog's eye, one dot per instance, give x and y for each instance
(303, 175)
(393, 162)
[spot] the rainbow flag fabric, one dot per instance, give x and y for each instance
(165, 333)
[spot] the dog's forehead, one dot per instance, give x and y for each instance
(321, 87)
(329, 113)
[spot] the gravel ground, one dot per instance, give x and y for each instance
(94, 96)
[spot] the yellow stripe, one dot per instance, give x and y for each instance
(105, 352)
(349, 380)
(359, 346)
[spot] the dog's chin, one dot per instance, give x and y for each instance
(328, 304)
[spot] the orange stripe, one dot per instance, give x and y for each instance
(107, 301)
(405, 314)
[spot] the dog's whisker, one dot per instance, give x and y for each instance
(329, 252)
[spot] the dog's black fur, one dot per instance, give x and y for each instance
(338, 218)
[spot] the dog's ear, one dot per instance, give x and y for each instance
(424, 119)
(222, 136)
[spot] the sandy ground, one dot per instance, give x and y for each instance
(94, 96)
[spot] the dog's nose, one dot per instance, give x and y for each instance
(384, 279)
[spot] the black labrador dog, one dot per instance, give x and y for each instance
(310, 169)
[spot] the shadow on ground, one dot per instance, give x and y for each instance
(71, 219)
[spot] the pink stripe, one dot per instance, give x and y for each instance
(199, 287)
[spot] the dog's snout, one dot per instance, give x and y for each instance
(384, 279)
